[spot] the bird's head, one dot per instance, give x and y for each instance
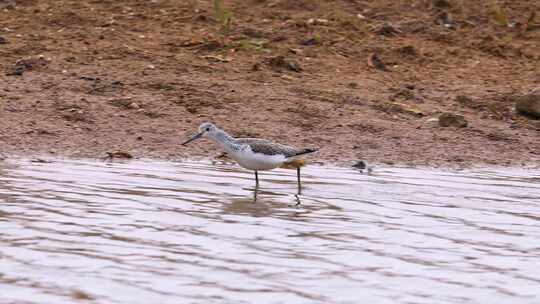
(204, 129)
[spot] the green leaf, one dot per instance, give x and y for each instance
(499, 15)
(218, 9)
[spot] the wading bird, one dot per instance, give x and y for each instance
(254, 153)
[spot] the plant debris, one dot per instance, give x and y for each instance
(279, 63)
(375, 62)
(445, 20)
(314, 40)
(396, 107)
(119, 154)
(317, 21)
(498, 15)
(24, 65)
(441, 3)
(387, 30)
(216, 58)
(529, 104)
(408, 50)
(452, 120)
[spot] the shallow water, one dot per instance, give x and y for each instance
(149, 232)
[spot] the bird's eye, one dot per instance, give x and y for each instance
(207, 129)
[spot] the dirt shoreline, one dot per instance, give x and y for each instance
(80, 79)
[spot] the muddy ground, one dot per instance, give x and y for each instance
(358, 79)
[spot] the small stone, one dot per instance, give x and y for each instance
(405, 93)
(279, 63)
(316, 21)
(17, 71)
(89, 78)
(498, 136)
(432, 122)
(40, 161)
(455, 120)
(287, 77)
(529, 104)
(387, 30)
(134, 106)
(311, 41)
(153, 114)
(296, 51)
(119, 154)
(27, 64)
(360, 165)
(408, 50)
(121, 102)
(535, 125)
(256, 67)
(464, 100)
(253, 33)
(445, 19)
(375, 62)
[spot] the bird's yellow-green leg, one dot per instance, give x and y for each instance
(256, 179)
(299, 184)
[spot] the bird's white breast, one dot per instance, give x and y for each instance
(257, 161)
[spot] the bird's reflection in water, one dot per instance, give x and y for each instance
(297, 196)
(298, 202)
(261, 203)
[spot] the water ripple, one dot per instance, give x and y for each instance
(149, 231)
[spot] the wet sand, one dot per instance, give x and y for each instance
(85, 78)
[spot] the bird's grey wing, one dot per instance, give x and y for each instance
(263, 146)
(268, 147)
(248, 141)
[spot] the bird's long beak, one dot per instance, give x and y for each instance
(195, 136)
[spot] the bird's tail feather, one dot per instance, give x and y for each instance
(294, 162)
(306, 151)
